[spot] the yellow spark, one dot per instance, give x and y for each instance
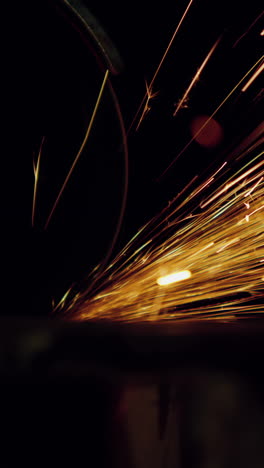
(232, 241)
(257, 209)
(254, 76)
(253, 188)
(205, 248)
(62, 301)
(36, 167)
(262, 32)
(232, 183)
(81, 148)
(174, 277)
(196, 77)
(218, 252)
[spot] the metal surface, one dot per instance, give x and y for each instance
(52, 346)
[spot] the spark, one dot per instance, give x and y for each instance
(174, 277)
(209, 237)
(255, 211)
(222, 265)
(227, 186)
(196, 77)
(210, 118)
(249, 28)
(146, 97)
(253, 188)
(62, 301)
(211, 179)
(254, 76)
(232, 241)
(36, 168)
(149, 96)
(80, 150)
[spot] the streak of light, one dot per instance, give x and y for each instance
(150, 95)
(36, 167)
(249, 28)
(232, 241)
(158, 69)
(174, 277)
(81, 148)
(221, 250)
(253, 188)
(196, 77)
(209, 118)
(211, 179)
(255, 211)
(232, 183)
(254, 76)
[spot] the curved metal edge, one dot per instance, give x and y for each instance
(86, 22)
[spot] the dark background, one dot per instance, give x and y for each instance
(50, 83)
(52, 80)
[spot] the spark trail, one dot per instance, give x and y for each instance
(149, 92)
(202, 256)
(210, 117)
(36, 168)
(207, 262)
(196, 77)
(80, 150)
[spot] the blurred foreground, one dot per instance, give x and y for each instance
(148, 395)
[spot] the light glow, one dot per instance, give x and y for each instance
(174, 277)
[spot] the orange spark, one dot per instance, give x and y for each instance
(196, 77)
(231, 184)
(209, 118)
(150, 95)
(254, 76)
(158, 69)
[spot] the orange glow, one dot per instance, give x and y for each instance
(209, 136)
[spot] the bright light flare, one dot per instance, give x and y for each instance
(174, 277)
(255, 75)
